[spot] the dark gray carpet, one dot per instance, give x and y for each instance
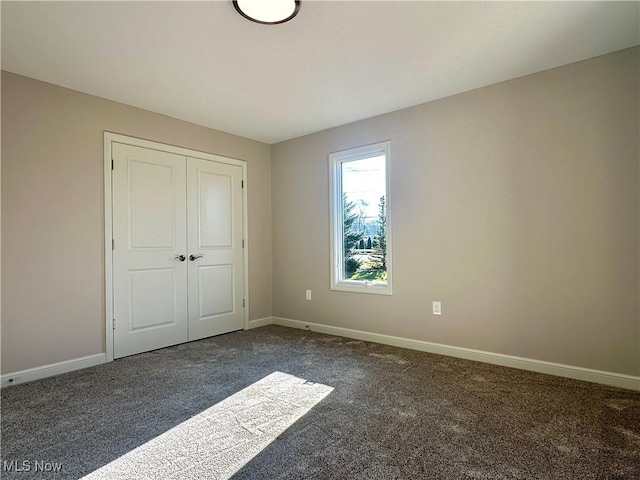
(393, 413)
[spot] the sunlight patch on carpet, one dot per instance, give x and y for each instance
(219, 441)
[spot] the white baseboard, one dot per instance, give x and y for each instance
(578, 373)
(260, 322)
(45, 371)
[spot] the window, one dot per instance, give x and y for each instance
(360, 228)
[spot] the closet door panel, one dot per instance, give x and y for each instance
(215, 233)
(149, 218)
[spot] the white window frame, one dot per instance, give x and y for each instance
(336, 160)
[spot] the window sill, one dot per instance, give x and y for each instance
(362, 287)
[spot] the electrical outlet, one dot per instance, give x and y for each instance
(437, 308)
(308, 295)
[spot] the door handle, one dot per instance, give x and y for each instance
(193, 257)
(182, 258)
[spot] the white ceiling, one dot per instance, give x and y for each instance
(335, 63)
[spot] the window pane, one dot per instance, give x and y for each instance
(364, 220)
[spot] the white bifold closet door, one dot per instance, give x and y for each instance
(177, 254)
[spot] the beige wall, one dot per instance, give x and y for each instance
(516, 205)
(53, 215)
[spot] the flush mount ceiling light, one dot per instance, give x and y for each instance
(268, 12)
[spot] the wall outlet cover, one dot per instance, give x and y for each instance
(437, 308)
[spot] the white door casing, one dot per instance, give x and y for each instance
(149, 283)
(214, 212)
(153, 298)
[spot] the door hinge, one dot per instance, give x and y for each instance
(243, 303)
(112, 164)
(242, 183)
(113, 244)
(114, 323)
(243, 243)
